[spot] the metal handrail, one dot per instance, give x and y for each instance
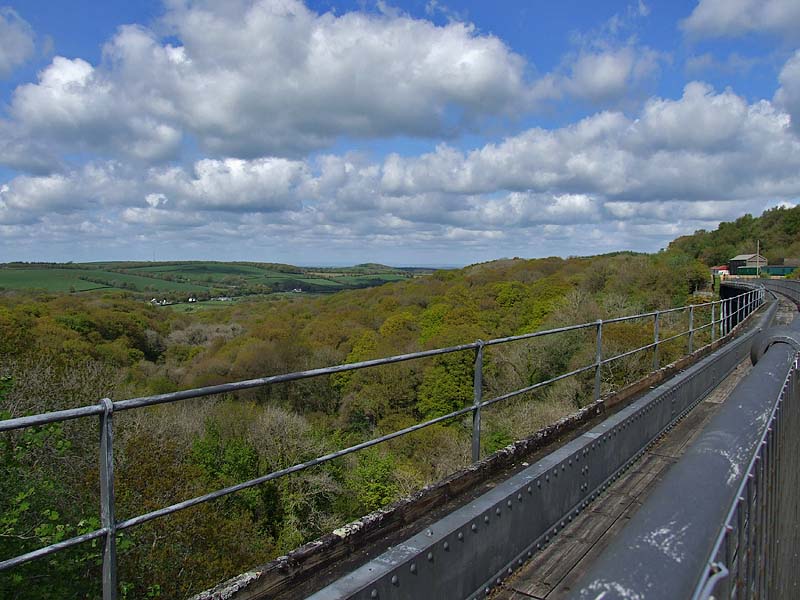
(731, 311)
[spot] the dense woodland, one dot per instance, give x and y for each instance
(66, 350)
(777, 230)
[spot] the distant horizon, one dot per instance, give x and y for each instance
(244, 260)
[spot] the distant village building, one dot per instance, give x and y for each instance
(720, 270)
(192, 299)
(756, 261)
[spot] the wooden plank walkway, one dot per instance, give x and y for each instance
(552, 573)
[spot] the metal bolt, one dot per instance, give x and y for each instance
(497, 511)
(519, 497)
(374, 594)
(413, 568)
(460, 536)
(430, 556)
(530, 490)
(395, 580)
(446, 546)
(474, 527)
(486, 518)
(510, 570)
(508, 503)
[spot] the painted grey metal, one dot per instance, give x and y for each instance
(598, 359)
(718, 545)
(655, 342)
(107, 517)
(713, 320)
(691, 329)
(473, 549)
(477, 385)
(106, 408)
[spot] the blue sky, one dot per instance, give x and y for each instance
(417, 132)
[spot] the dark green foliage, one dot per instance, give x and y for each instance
(777, 230)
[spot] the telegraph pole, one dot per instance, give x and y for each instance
(758, 257)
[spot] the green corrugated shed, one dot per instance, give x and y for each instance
(780, 270)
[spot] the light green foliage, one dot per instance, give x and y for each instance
(373, 480)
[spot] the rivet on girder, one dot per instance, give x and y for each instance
(460, 536)
(519, 497)
(374, 594)
(486, 518)
(546, 539)
(446, 546)
(519, 562)
(497, 511)
(508, 503)
(474, 527)
(487, 591)
(530, 489)
(538, 546)
(413, 568)
(430, 556)
(395, 580)
(497, 581)
(509, 570)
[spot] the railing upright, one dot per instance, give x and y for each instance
(477, 382)
(655, 342)
(713, 321)
(107, 516)
(598, 360)
(691, 329)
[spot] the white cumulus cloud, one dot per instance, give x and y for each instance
(731, 18)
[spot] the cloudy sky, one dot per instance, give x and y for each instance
(437, 132)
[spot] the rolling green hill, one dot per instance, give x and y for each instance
(178, 280)
(777, 230)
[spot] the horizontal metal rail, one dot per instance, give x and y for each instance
(731, 312)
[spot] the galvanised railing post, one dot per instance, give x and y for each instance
(726, 309)
(691, 329)
(107, 517)
(655, 342)
(477, 382)
(598, 357)
(713, 323)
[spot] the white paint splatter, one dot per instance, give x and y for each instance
(604, 587)
(668, 540)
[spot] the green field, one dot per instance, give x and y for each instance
(176, 281)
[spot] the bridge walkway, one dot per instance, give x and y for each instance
(552, 573)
